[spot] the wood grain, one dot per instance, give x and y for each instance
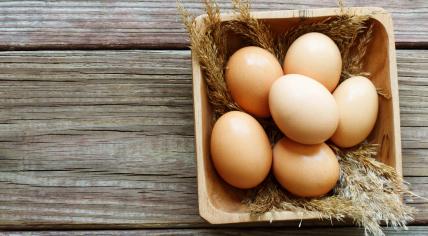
(155, 23)
(104, 139)
(338, 231)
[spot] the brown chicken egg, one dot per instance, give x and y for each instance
(303, 109)
(358, 103)
(240, 150)
(250, 73)
(317, 56)
(305, 170)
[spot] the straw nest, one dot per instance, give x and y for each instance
(368, 192)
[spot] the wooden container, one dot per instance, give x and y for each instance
(219, 203)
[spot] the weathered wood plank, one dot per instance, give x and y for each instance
(93, 139)
(415, 162)
(339, 231)
(413, 83)
(72, 120)
(155, 23)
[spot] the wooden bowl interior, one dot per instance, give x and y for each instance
(225, 198)
(377, 64)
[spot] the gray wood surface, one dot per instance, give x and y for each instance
(100, 140)
(104, 139)
(155, 24)
(338, 231)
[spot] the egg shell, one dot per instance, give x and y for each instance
(240, 150)
(305, 170)
(249, 74)
(317, 56)
(358, 105)
(303, 109)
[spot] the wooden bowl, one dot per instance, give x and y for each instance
(219, 203)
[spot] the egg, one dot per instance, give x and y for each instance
(303, 109)
(358, 103)
(305, 170)
(317, 56)
(249, 75)
(240, 150)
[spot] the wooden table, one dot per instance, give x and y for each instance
(96, 120)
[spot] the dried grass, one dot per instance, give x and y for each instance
(368, 192)
(251, 30)
(210, 47)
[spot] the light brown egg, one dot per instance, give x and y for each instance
(250, 72)
(240, 150)
(303, 109)
(317, 56)
(358, 103)
(305, 170)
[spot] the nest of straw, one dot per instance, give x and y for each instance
(368, 192)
